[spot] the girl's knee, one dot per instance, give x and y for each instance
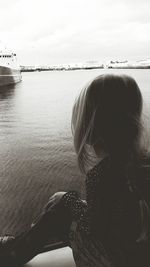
(54, 200)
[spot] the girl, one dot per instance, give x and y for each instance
(112, 227)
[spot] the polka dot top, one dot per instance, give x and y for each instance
(111, 209)
(81, 209)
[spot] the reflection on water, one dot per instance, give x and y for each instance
(7, 91)
(36, 151)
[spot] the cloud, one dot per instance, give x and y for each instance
(68, 30)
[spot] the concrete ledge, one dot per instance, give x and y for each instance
(61, 257)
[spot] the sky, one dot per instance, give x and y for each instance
(71, 31)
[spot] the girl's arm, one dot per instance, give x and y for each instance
(75, 204)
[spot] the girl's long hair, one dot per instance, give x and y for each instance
(106, 118)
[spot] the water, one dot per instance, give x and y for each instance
(37, 157)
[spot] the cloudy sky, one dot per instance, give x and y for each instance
(67, 31)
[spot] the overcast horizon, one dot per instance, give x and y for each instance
(72, 31)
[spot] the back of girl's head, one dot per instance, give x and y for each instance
(106, 117)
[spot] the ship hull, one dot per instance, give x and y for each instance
(9, 76)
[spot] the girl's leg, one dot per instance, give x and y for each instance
(55, 222)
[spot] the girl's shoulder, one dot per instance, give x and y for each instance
(98, 169)
(96, 177)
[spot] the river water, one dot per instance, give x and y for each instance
(37, 157)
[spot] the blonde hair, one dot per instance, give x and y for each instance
(106, 115)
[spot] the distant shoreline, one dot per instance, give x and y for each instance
(59, 69)
(83, 68)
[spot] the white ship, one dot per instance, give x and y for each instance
(9, 68)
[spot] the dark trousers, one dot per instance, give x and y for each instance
(53, 223)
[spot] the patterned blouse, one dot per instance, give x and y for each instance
(107, 226)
